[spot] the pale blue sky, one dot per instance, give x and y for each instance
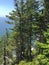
(6, 6)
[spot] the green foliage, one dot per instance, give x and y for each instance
(28, 21)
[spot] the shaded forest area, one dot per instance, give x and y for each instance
(28, 43)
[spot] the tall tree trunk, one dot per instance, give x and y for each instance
(4, 52)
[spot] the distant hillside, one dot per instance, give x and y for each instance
(3, 25)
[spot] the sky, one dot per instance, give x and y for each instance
(6, 6)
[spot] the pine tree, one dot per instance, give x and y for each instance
(23, 17)
(42, 29)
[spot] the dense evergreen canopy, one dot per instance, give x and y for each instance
(28, 43)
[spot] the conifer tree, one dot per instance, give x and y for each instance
(23, 17)
(42, 44)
